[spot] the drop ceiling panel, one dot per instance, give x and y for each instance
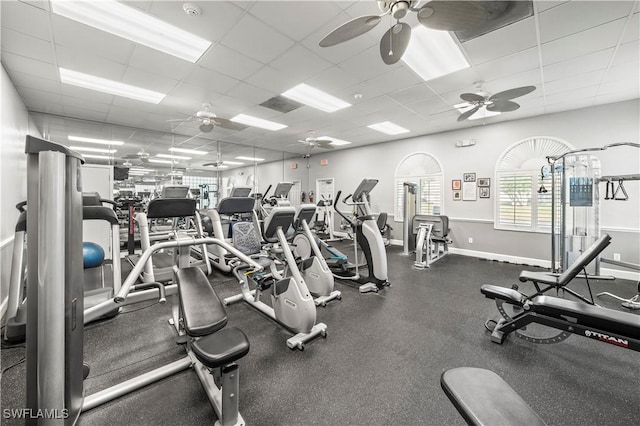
(24, 18)
(151, 81)
(24, 45)
(522, 61)
(455, 80)
(83, 39)
(632, 33)
(295, 19)
(541, 6)
(587, 63)
(367, 64)
(629, 52)
(575, 82)
(521, 36)
(593, 40)
(23, 65)
(395, 80)
(299, 63)
(211, 81)
(275, 80)
(214, 22)
(148, 59)
(414, 93)
(264, 47)
(561, 21)
(35, 82)
(89, 64)
(250, 94)
(229, 62)
(331, 79)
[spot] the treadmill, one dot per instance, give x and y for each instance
(159, 268)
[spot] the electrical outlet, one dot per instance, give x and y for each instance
(616, 256)
(470, 240)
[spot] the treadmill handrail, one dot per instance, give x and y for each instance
(137, 270)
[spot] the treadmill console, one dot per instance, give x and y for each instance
(364, 189)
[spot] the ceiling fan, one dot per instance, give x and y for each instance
(208, 120)
(500, 102)
(436, 14)
(312, 142)
(142, 155)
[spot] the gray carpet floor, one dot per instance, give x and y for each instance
(380, 364)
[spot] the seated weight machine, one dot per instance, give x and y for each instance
(431, 241)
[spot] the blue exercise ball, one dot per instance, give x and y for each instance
(92, 255)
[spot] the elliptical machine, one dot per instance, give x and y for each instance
(367, 235)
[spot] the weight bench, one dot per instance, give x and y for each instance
(213, 348)
(582, 317)
(483, 398)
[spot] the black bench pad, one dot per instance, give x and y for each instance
(202, 310)
(483, 398)
(221, 348)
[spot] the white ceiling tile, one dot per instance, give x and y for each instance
(160, 63)
(454, 81)
(525, 60)
(521, 36)
(210, 80)
(100, 67)
(300, 63)
(530, 78)
(25, 18)
(84, 113)
(295, 19)
(84, 40)
(394, 80)
(572, 95)
(333, 77)
(85, 104)
(367, 64)
(619, 96)
(417, 92)
(35, 82)
(17, 64)
(24, 45)
(575, 82)
(628, 72)
(629, 52)
(230, 62)
(581, 64)
(148, 80)
(79, 92)
(250, 94)
(46, 96)
(595, 39)
(213, 23)
(547, 4)
(429, 106)
(561, 21)
(273, 80)
(632, 32)
(255, 39)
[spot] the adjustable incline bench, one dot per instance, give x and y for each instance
(483, 398)
(582, 317)
(211, 347)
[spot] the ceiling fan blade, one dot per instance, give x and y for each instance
(502, 106)
(323, 141)
(325, 146)
(452, 15)
(394, 43)
(469, 113)
(351, 29)
(512, 93)
(228, 124)
(472, 97)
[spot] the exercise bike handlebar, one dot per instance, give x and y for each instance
(137, 270)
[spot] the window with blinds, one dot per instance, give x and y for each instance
(520, 205)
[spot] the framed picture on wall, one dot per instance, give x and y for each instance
(469, 177)
(482, 182)
(484, 192)
(456, 185)
(469, 191)
(457, 195)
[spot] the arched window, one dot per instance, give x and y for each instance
(425, 171)
(524, 194)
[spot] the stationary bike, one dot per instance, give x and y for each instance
(366, 235)
(292, 305)
(312, 264)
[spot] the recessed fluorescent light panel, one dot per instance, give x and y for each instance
(188, 151)
(111, 87)
(257, 122)
(335, 141)
(100, 150)
(481, 113)
(249, 158)
(98, 157)
(433, 53)
(315, 98)
(135, 25)
(388, 127)
(92, 140)
(233, 163)
(153, 160)
(177, 157)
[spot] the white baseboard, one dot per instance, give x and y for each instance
(618, 273)
(518, 260)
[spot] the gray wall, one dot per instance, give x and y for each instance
(16, 124)
(589, 127)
